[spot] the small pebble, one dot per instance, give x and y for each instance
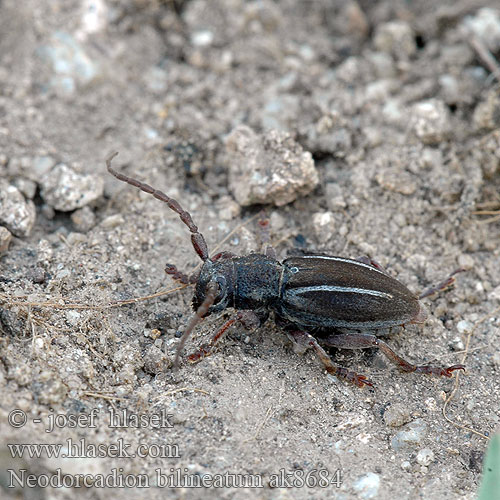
(397, 415)
(66, 190)
(37, 275)
(496, 359)
(405, 465)
(383, 65)
(466, 261)
(431, 404)
(411, 436)
(380, 90)
(16, 214)
(83, 219)
(63, 273)
(26, 186)
(464, 326)
(52, 392)
(430, 121)
(5, 239)
(279, 111)
(69, 62)
(227, 208)
(393, 111)
(75, 238)
(396, 38)
(471, 404)
(331, 134)
(367, 486)
(485, 24)
(350, 70)
(425, 457)
(334, 197)
(112, 221)
(44, 252)
(95, 17)
(40, 165)
(450, 88)
(487, 112)
(396, 180)
(495, 294)
(73, 317)
(39, 344)
(487, 151)
(156, 361)
(202, 38)
(156, 79)
(323, 225)
(457, 344)
(47, 211)
(277, 221)
(272, 168)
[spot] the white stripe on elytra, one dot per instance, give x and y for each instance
(341, 259)
(342, 289)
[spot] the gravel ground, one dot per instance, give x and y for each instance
(362, 128)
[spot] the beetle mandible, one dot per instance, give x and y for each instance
(334, 301)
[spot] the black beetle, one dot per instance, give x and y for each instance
(337, 301)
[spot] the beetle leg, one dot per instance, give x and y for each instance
(265, 237)
(171, 270)
(250, 321)
(305, 340)
(444, 285)
(366, 340)
(211, 294)
(222, 256)
(206, 349)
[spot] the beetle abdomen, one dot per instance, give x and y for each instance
(323, 291)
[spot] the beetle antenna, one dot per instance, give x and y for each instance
(195, 319)
(197, 239)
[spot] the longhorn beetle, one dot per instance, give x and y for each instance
(316, 299)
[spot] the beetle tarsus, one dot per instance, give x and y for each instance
(304, 339)
(248, 319)
(435, 370)
(354, 378)
(441, 287)
(206, 349)
(177, 275)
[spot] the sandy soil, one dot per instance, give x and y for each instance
(396, 103)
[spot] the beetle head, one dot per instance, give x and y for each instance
(218, 274)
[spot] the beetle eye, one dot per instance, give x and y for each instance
(221, 288)
(221, 281)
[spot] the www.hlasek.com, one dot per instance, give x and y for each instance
(176, 478)
(83, 449)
